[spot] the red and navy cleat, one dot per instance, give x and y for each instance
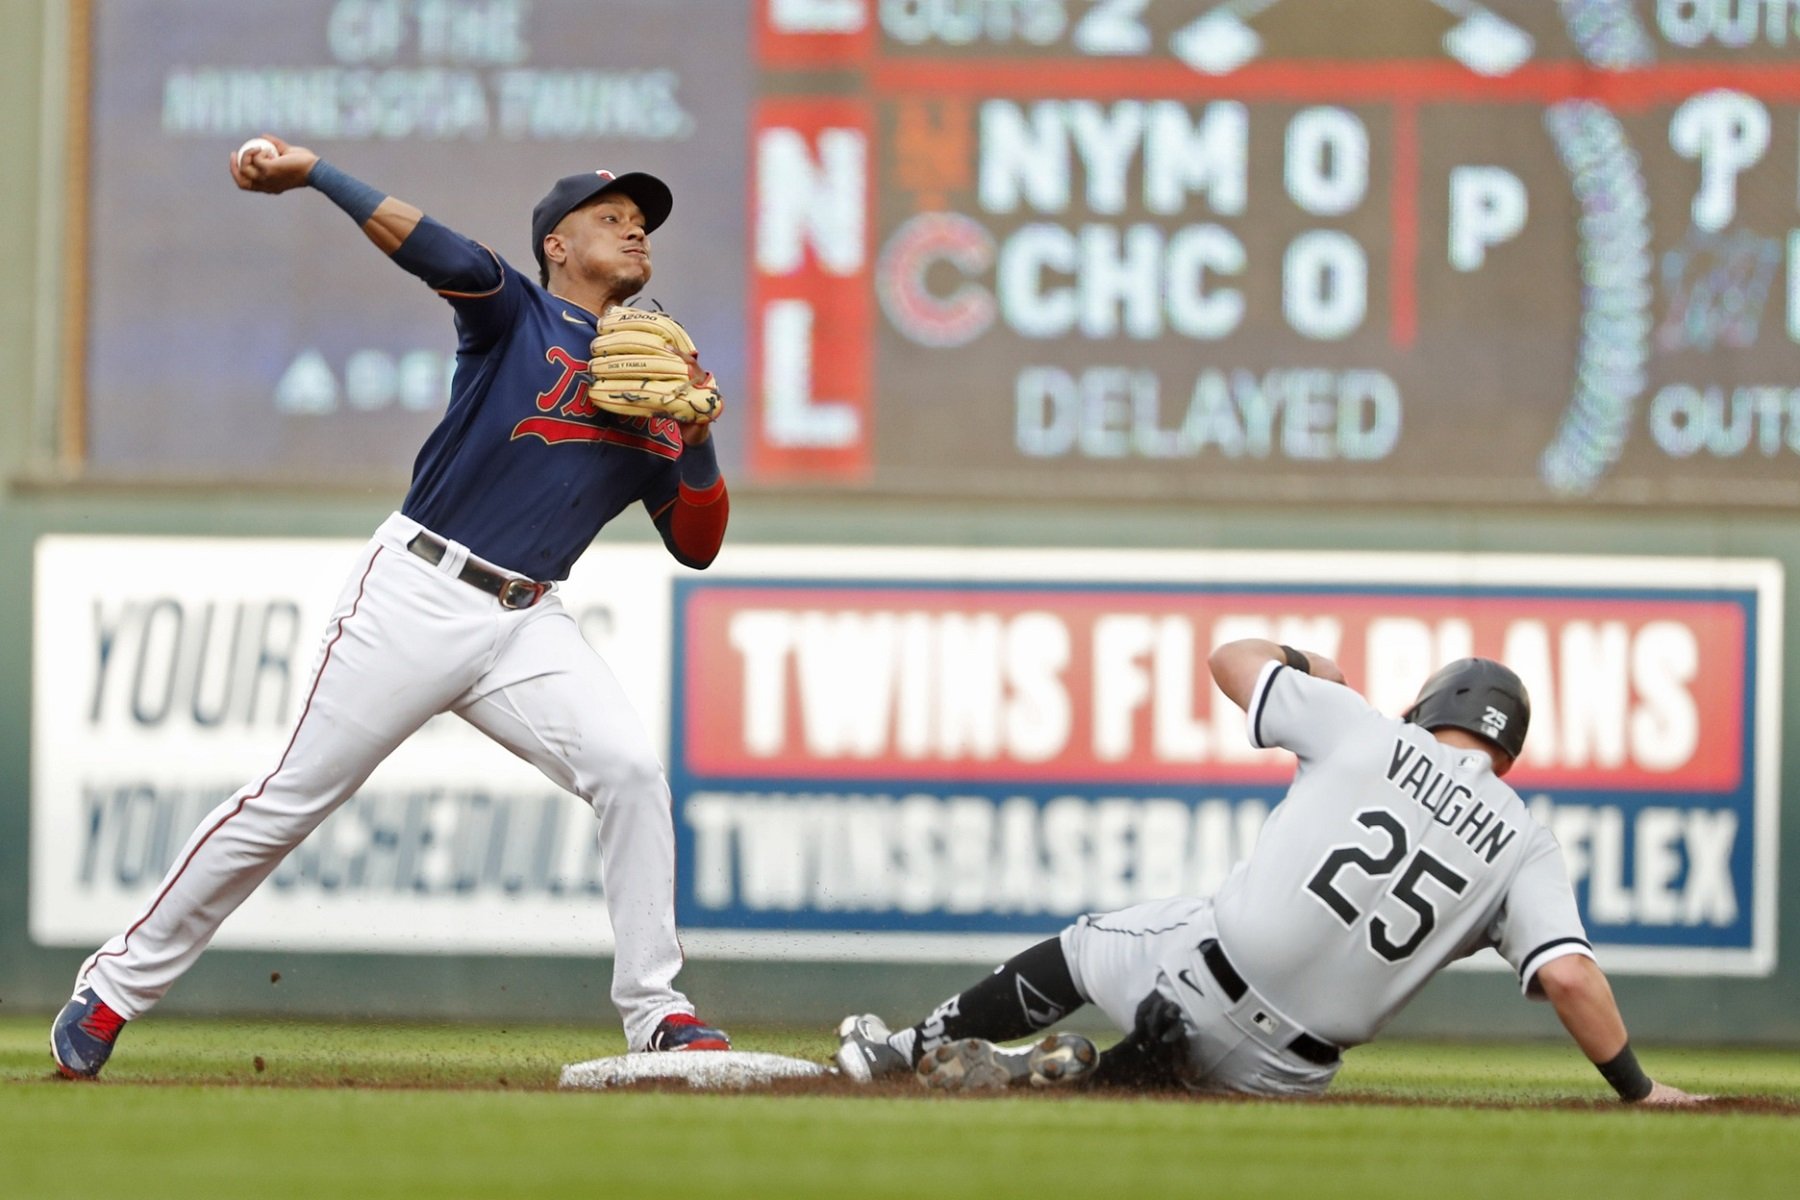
(684, 1031)
(82, 1037)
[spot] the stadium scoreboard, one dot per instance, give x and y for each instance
(1382, 251)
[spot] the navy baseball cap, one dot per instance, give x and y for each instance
(651, 195)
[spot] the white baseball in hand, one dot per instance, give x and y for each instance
(253, 148)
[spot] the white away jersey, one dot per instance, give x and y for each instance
(1391, 855)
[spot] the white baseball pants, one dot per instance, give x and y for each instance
(1118, 958)
(406, 641)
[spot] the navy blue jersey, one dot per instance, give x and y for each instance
(524, 469)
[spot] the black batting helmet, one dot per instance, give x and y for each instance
(1478, 695)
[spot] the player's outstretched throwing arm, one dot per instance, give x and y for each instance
(442, 258)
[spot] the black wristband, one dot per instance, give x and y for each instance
(346, 191)
(1296, 660)
(1627, 1078)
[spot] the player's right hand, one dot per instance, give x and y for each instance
(1663, 1096)
(273, 174)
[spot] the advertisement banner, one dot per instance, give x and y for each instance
(170, 672)
(898, 754)
(933, 754)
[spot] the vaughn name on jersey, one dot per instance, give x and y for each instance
(1391, 855)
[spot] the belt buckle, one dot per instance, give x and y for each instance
(520, 593)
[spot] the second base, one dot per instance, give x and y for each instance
(698, 1068)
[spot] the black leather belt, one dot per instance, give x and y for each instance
(1312, 1049)
(511, 592)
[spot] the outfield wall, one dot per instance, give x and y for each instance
(273, 968)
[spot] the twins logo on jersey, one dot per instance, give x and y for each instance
(579, 420)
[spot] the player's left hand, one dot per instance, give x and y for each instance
(1663, 1096)
(644, 364)
(695, 432)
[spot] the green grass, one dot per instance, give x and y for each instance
(453, 1111)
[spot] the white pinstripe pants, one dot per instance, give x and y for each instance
(406, 641)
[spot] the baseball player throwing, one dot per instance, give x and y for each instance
(1397, 850)
(451, 606)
